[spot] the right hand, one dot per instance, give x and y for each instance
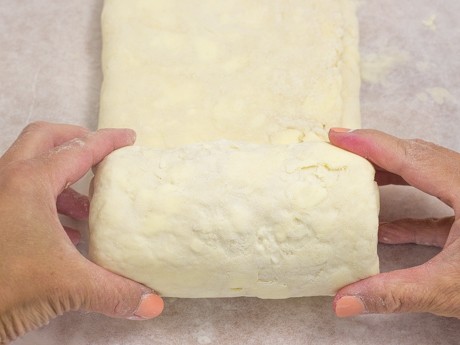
(434, 286)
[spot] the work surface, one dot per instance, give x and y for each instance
(50, 70)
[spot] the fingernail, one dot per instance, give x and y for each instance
(349, 306)
(149, 307)
(341, 130)
(133, 135)
(389, 233)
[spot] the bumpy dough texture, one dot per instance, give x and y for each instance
(271, 71)
(230, 219)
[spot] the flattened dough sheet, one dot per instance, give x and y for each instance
(270, 71)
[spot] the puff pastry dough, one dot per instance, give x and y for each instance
(228, 219)
(271, 71)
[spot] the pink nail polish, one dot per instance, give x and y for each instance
(349, 306)
(149, 307)
(341, 130)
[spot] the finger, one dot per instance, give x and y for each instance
(73, 234)
(416, 289)
(39, 137)
(115, 296)
(91, 188)
(73, 204)
(428, 232)
(69, 162)
(426, 166)
(454, 234)
(384, 178)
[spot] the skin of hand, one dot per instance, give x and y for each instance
(433, 287)
(42, 274)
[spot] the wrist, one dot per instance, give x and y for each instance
(12, 324)
(7, 320)
(21, 315)
(8, 328)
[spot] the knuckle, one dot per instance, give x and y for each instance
(112, 303)
(417, 148)
(36, 126)
(390, 303)
(418, 151)
(121, 308)
(400, 299)
(433, 297)
(411, 147)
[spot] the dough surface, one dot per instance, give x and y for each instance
(271, 71)
(228, 219)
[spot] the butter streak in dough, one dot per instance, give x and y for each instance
(230, 219)
(271, 71)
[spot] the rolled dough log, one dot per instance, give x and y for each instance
(271, 71)
(228, 219)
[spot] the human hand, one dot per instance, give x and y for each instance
(434, 286)
(42, 273)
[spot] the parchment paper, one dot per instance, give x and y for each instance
(50, 70)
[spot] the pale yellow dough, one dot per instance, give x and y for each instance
(250, 216)
(270, 71)
(228, 219)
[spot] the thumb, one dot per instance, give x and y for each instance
(408, 290)
(116, 296)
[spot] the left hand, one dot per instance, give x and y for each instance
(42, 274)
